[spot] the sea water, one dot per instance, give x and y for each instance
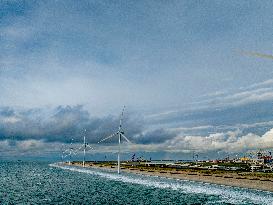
(44, 183)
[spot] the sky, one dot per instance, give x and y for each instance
(195, 77)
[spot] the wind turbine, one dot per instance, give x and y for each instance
(70, 152)
(84, 146)
(120, 134)
(63, 152)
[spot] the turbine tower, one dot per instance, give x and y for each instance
(63, 152)
(84, 146)
(120, 134)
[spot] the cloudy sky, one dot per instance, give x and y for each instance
(195, 76)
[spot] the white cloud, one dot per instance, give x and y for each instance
(28, 145)
(230, 142)
(268, 82)
(256, 92)
(10, 119)
(240, 98)
(31, 148)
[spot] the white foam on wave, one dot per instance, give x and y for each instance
(225, 193)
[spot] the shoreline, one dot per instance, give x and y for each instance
(230, 179)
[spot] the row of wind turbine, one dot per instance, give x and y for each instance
(85, 146)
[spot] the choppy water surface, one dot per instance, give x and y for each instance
(41, 183)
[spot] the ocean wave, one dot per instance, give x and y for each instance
(226, 194)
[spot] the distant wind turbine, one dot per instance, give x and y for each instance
(70, 151)
(84, 146)
(63, 152)
(120, 134)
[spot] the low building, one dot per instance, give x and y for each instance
(245, 160)
(257, 161)
(237, 160)
(255, 168)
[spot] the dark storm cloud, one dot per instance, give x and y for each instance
(155, 136)
(62, 124)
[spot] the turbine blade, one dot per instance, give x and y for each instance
(121, 117)
(74, 152)
(81, 147)
(66, 155)
(68, 150)
(112, 135)
(125, 138)
(89, 146)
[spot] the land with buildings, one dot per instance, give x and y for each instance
(242, 172)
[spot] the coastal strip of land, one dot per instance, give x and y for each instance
(243, 180)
